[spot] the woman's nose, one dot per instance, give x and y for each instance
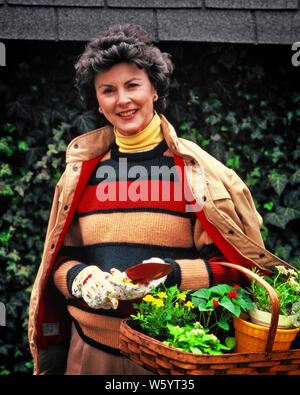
(123, 98)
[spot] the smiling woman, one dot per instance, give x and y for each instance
(82, 290)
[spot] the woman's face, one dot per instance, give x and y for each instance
(125, 95)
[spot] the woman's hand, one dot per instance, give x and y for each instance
(124, 289)
(94, 287)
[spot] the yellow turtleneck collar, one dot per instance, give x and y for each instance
(148, 138)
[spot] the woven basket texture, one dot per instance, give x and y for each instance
(164, 360)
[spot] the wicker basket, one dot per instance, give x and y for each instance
(164, 360)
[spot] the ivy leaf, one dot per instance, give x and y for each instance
(282, 216)
(295, 177)
(85, 122)
(278, 182)
(288, 213)
(268, 206)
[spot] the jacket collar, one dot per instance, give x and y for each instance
(95, 143)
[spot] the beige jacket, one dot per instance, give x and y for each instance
(226, 212)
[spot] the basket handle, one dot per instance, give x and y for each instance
(273, 297)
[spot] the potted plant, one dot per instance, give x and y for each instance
(286, 283)
(251, 336)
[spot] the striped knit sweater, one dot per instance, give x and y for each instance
(129, 212)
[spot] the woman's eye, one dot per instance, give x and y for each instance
(107, 90)
(132, 85)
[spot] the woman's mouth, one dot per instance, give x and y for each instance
(127, 114)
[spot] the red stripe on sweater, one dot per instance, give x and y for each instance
(145, 194)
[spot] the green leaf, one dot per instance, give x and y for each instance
(232, 307)
(295, 177)
(202, 293)
(230, 342)
(200, 303)
(220, 289)
(275, 219)
(85, 122)
(223, 323)
(278, 182)
(269, 206)
(23, 145)
(282, 216)
(195, 350)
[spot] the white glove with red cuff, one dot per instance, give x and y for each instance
(94, 287)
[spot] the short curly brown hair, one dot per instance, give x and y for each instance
(123, 43)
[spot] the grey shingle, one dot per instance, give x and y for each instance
(82, 24)
(155, 3)
(31, 2)
(27, 23)
(80, 3)
(277, 27)
(73, 3)
(206, 26)
(252, 4)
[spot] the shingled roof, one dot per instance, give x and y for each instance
(230, 21)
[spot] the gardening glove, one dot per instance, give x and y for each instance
(125, 289)
(94, 287)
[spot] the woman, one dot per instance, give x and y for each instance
(131, 193)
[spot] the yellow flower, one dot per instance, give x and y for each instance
(182, 297)
(148, 298)
(189, 305)
(162, 295)
(157, 302)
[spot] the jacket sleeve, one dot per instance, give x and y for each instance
(245, 208)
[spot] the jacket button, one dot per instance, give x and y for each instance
(193, 162)
(204, 198)
(52, 246)
(231, 232)
(75, 168)
(76, 146)
(66, 207)
(261, 255)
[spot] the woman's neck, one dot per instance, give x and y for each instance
(146, 139)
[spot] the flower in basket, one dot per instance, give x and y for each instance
(286, 283)
(217, 305)
(161, 307)
(186, 320)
